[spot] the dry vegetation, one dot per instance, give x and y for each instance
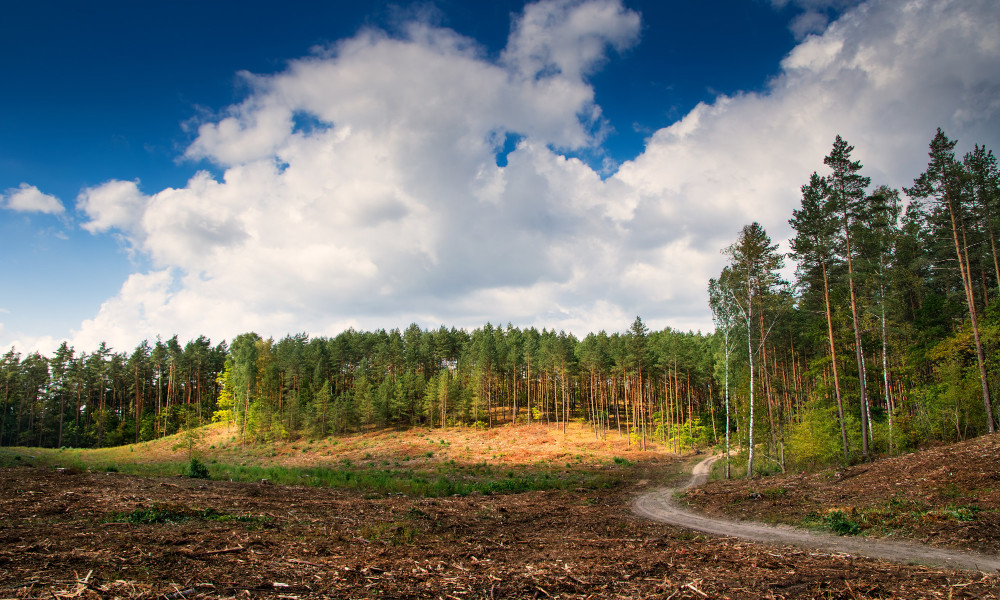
(75, 533)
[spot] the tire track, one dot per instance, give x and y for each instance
(659, 505)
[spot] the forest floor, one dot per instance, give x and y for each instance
(75, 533)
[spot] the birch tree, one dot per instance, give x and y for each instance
(754, 262)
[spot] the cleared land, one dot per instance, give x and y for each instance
(97, 534)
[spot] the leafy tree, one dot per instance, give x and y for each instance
(725, 314)
(754, 265)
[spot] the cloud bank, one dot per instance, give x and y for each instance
(361, 185)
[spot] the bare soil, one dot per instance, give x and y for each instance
(69, 534)
(947, 496)
(66, 535)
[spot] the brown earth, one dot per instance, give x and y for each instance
(947, 496)
(63, 535)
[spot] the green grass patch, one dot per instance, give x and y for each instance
(841, 523)
(439, 482)
(960, 513)
(158, 514)
(396, 533)
(14, 459)
(895, 515)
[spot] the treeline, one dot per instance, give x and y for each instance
(108, 398)
(889, 334)
(638, 385)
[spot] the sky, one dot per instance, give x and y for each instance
(212, 168)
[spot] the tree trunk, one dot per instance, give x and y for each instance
(862, 391)
(970, 299)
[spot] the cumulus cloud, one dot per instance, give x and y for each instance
(883, 76)
(28, 198)
(811, 21)
(113, 205)
(815, 14)
(566, 37)
(816, 4)
(390, 206)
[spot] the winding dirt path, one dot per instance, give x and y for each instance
(659, 505)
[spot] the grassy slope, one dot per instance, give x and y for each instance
(421, 462)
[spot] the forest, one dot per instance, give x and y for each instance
(887, 338)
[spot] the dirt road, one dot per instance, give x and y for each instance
(659, 505)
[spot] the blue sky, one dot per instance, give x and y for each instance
(563, 163)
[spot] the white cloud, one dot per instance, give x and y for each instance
(811, 21)
(392, 208)
(568, 37)
(815, 15)
(113, 205)
(816, 4)
(28, 198)
(883, 76)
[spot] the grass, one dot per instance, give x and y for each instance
(428, 463)
(396, 533)
(178, 513)
(448, 478)
(894, 515)
(10, 459)
(443, 481)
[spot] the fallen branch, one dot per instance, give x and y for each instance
(694, 589)
(201, 555)
(302, 562)
(179, 594)
(224, 551)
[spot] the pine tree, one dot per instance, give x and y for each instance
(944, 185)
(847, 192)
(816, 225)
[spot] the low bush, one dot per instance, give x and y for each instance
(196, 469)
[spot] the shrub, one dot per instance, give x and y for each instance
(196, 469)
(840, 523)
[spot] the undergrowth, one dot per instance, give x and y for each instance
(443, 481)
(179, 513)
(894, 515)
